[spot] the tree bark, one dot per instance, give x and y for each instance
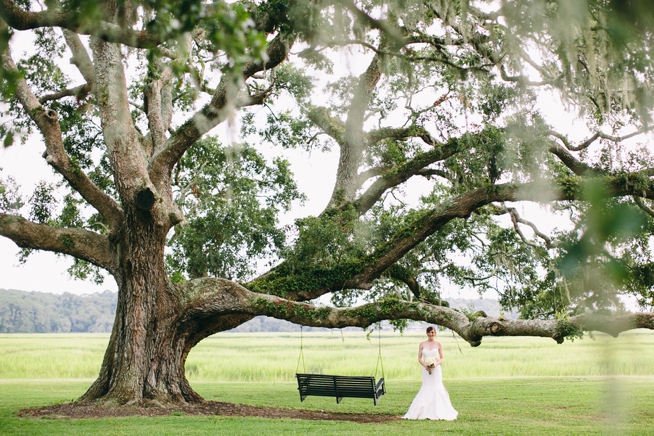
(147, 350)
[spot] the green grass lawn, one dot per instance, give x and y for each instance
(508, 386)
(494, 406)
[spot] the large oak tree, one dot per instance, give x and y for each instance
(441, 136)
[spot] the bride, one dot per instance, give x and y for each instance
(432, 400)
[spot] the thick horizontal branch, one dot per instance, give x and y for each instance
(613, 325)
(213, 298)
(79, 92)
(21, 19)
(471, 331)
(400, 134)
(80, 243)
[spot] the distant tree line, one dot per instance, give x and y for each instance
(42, 312)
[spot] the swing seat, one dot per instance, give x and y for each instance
(340, 386)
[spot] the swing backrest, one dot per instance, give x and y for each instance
(340, 386)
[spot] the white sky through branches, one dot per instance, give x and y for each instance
(315, 175)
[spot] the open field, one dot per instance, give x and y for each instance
(273, 357)
(506, 386)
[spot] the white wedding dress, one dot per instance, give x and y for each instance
(432, 400)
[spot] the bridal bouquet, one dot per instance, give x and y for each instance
(430, 363)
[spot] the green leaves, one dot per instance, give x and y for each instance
(10, 199)
(229, 29)
(603, 222)
(333, 238)
(600, 260)
(42, 203)
(232, 197)
(292, 79)
(481, 162)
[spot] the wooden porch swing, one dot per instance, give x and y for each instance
(340, 386)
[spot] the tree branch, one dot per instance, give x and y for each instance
(21, 19)
(382, 25)
(639, 202)
(402, 274)
(154, 104)
(575, 165)
(333, 127)
(79, 92)
(284, 280)
(522, 80)
(465, 204)
(254, 99)
(83, 63)
(516, 219)
(428, 173)
(471, 331)
(214, 112)
(80, 243)
(404, 172)
(81, 58)
(372, 172)
(354, 141)
(55, 154)
(212, 298)
(443, 57)
(588, 142)
(400, 134)
(361, 274)
(158, 93)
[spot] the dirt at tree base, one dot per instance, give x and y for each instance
(207, 408)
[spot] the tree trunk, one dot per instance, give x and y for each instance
(147, 350)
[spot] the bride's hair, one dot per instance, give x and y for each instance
(431, 329)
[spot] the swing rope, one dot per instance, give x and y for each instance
(380, 362)
(457, 342)
(301, 356)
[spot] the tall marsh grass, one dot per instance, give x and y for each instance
(273, 357)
